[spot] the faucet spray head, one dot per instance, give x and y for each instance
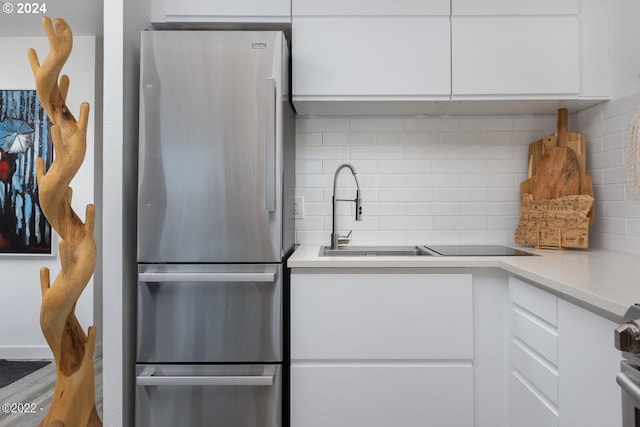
(358, 206)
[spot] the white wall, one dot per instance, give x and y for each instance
(625, 47)
(617, 221)
(20, 334)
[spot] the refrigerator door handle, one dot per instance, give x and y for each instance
(263, 277)
(270, 149)
(242, 381)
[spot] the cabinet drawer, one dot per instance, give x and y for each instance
(526, 409)
(381, 316)
(535, 300)
(539, 373)
(542, 338)
(381, 395)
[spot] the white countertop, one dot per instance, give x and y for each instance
(604, 281)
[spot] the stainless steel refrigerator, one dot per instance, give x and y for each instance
(215, 225)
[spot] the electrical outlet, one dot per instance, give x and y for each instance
(298, 207)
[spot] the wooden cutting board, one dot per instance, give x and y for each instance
(574, 140)
(558, 172)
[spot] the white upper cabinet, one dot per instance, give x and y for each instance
(378, 57)
(359, 51)
(220, 11)
(515, 56)
(514, 7)
(371, 7)
(359, 57)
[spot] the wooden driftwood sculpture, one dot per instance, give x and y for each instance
(73, 402)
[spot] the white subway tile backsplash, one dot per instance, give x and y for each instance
(384, 209)
(406, 222)
(463, 138)
(487, 152)
(322, 124)
(622, 209)
(321, 153)
(376, 124)
(622, 243)
(486, 124)
(488, 208)
(633, 227)
(361, 166)
(309, 166)
(459, 166)
(382, 180)
(377, 152)
(334, 138)
(606, 159)
(308, 138)
(486, 180)
(614, 141)
(362, 138)
(460, 194)
(314, 181)
(429, 180)
(544, 124)
(404, 166)
(460, 223)
(405, 194)
(398, 138)
(433, 208)
(441, 180)
(613, 175)
(429, 124)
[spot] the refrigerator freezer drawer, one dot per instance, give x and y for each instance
(209, 313)
(208, 395)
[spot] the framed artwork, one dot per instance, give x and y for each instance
(24, 136)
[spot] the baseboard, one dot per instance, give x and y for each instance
(26, 353)
(35, 352)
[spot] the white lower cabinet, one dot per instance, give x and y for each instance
(562, 362)
(381, 349)
(533, 357)
(588, 363)
(381, 394)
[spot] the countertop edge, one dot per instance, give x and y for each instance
(598, 280)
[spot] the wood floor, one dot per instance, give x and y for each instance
(34, 393)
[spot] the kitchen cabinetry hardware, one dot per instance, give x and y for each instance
(627, 337)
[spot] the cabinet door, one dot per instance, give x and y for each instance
(207, 10)
(515, 56)
(588, 365)
(514, 7)
(370, 58)
(381, 396)
(381, 317)
(371, 8)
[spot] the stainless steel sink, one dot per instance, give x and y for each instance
(351, 251)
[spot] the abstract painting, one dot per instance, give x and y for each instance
(24, 136)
